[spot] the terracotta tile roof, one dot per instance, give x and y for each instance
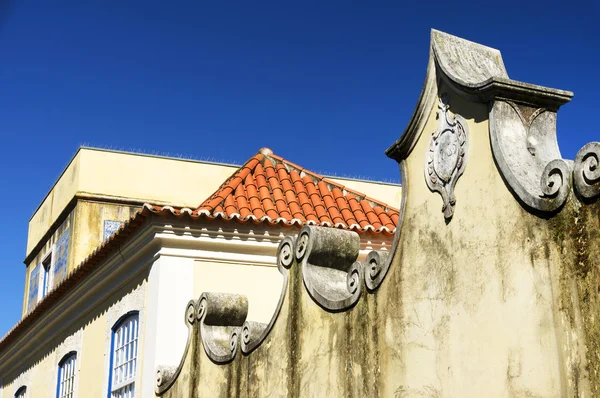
(268, 188)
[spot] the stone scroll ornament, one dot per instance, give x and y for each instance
(254, 333)
(166, 375)
(586, 171)
(523, 140)
(446, 156)
(221, 317)
(330, 271)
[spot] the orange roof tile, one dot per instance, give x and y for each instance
(268, 188)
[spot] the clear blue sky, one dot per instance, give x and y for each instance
(328, 85)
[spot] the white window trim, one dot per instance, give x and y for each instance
(73, 343)
(43, 272)
(65, 372)
(127, 382)
(133, 301)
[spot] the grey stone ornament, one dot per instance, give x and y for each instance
(221, 317)
(331, 274)
(254, 333)
(166, 375)
(447, 155)
(522, 120)
(586, 171)
(524, 145)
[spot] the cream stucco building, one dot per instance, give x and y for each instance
(122, 241)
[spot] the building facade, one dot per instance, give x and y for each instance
(123, 240)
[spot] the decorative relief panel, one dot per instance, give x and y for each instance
(447, 155)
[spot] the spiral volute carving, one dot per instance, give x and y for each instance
(376, 267)
(285, 252)
(164, 374)
(586, 171)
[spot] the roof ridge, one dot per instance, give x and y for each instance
(331, 184)
(270, 196)
(213, 200)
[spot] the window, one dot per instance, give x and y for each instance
(66, 376)
(124, 357)
(21, 392)
(47, 265)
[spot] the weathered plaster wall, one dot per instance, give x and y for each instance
(476, 310)
(575, 234)
(89, 218)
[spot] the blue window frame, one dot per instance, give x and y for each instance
(21, 392)
(67, 370)
(123, 356)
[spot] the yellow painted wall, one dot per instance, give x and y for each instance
(260, 284)
(92, 370)
(126, 175)
(54, 203)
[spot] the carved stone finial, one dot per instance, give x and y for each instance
(586, 171)
(330, 271)
(447, 155)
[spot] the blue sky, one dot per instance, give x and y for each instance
(328, 85)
